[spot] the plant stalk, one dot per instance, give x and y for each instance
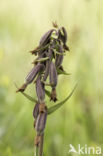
(41, 145)
(36, 151)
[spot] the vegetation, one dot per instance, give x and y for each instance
(80, 121)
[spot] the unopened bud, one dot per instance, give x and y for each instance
(40, 123)
(50, 52)
(45, 38)
(32, 74)
(36, 110)
(40, 89)
(64, 35)
(59, 58)
(53, 75)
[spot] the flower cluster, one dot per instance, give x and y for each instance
(48, 64)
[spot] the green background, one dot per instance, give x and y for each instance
(80, 120)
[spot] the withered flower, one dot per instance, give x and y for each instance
(22, 88)
(37, 140)
(35, 51)
(55, 25)
(53, 95)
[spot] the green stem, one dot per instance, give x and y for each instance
(36, 151)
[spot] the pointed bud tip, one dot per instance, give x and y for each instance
(22, 88)
(55, 25)
(53, 95)
(66, 47)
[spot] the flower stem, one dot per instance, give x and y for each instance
(41, 145)
(36, 151)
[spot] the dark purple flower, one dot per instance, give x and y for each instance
(36, 110)
(45, 38)
(40, 89)
(30, 77)
(40, 123)
(59, 58)
(53, 81)
(64, 35)
(53, 75)
(48, 62)
(32, 74)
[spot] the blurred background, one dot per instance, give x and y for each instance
(80, 120)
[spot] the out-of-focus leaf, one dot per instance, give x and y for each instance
(27, 96)
(58, 105)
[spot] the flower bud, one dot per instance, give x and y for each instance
(40, 89)
(53, 75)
(40, 123)
(32, 74)
(64, 35)
(45, 38)
(59, 58)
(48, 64)
(36, 110)
(30, 77)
